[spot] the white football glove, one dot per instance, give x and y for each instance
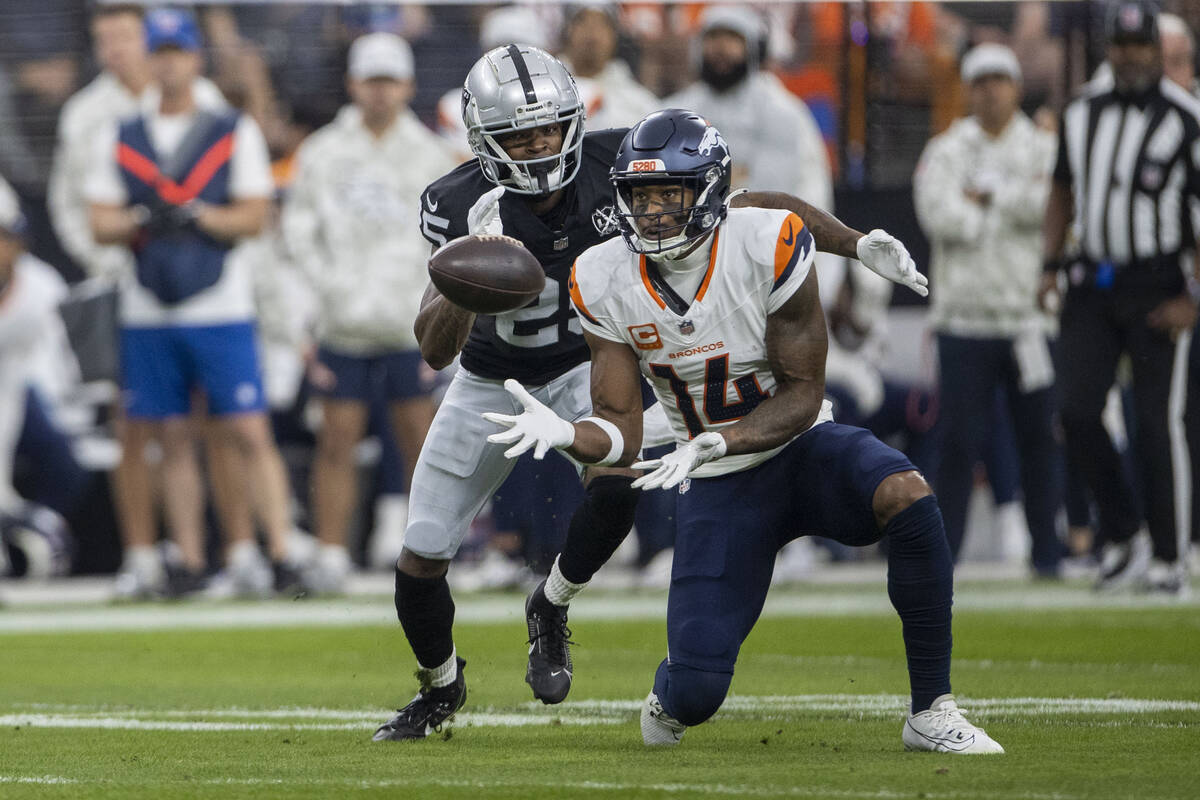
(672, 468)
(886, 255)
(484, 216)
(537, 426)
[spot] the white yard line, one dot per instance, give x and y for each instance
(669, 788)
(505, 609)
(45, 780)
(583, 712)
(720, 790)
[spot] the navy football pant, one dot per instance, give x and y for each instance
(732, 526)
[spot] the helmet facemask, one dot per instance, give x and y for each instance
(691, 223)
(534, 176)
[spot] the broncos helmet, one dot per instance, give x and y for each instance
(674, 147)
(520, 87)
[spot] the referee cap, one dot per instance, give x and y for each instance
(1132, 22)
(990, 59)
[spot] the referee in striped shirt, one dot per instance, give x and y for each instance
(1128, 174)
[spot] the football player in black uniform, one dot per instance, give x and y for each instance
(541, 179)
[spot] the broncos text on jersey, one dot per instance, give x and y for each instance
(707, 363)
(543, 340)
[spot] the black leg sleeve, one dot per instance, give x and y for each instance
(598, 527)
(426, 613)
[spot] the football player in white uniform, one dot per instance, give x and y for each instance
(719, 310)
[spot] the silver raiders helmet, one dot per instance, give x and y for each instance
(519, 87)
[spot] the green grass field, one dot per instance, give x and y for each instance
(1089, 701)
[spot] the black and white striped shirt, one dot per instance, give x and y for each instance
(1134, 168)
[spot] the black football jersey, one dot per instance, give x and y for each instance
(542, 340)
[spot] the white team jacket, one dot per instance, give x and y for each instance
(986, 262)
(708, 367)
(614, 98)
(94, 108)
(770, 132)
(34, 351)
(351, 224)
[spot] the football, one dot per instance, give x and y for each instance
(486, 274)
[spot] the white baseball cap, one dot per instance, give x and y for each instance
(990, 59)
(742, 20)
(380, 55)
(513, 25)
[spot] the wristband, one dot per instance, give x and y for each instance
(614, 435)
(1051, 265)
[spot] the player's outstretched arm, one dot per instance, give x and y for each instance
(878, 250)
(612, 436)
(829, 233)
(796, 342)
(441, 328)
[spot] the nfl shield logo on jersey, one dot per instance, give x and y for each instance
(605, 220)
(687, 328)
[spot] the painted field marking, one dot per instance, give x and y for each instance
(689, 789)
(574, 713)
(44, 780)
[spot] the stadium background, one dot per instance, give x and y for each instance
(1093, 695)
(881, 78)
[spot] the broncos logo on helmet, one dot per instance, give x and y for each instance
(712, 138)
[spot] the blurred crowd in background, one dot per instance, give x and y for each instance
(357, 107)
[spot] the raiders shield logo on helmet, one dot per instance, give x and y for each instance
(605, 220)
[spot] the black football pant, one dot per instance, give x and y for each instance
(1097, 326)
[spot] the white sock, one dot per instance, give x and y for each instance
(559, 590)
(447, 672)
(244, 554)
(142, 559)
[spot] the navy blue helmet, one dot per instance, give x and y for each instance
(671, 148)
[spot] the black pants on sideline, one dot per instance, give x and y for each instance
(1097, 326)
(1191, 419)
(971, 370)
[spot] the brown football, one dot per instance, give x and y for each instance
(486, 274)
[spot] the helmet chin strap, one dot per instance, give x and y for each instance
(685, 259)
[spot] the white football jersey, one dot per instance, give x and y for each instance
(709, 365)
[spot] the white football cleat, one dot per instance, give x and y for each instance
(658, 727)
(943, 729)
(1123, 564)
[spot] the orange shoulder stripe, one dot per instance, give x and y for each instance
(577, 297)
(787, 243)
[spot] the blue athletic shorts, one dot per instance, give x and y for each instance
(160, 368)
(730, 528)
(395, 376)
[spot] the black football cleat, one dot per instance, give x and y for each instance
(432, 708)
(549, 672)
(286, 580)
(183, 582)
